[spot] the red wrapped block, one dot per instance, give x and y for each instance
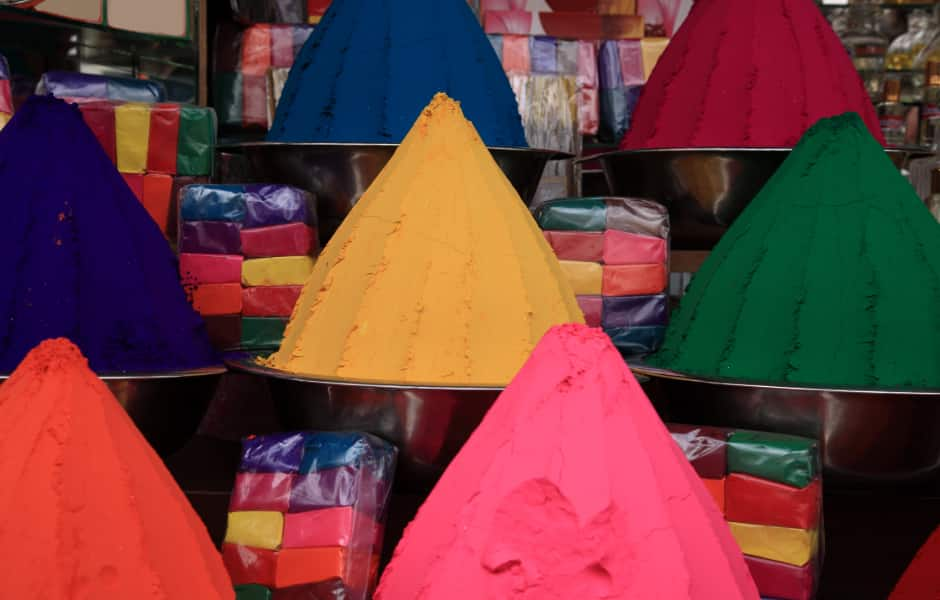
(256, 50)
(250, 565)
(262, 491)
(333, 589)
(516, 54)
(99, 116)
(780, 580)
(762, 502)
(200, 269)
(621, 248)
(157, 192)
(576, 245)
(135, 181)
(164, 137)
(218, 299)
(706, 448)
(6, 97)
(293, 239)
(270, 300)
(716, 489)
(593, 308)
(634, 280)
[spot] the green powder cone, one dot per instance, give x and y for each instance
(831, 277)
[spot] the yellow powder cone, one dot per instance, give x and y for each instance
(439, 275)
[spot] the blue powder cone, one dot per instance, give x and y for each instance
(372, 66)
(81, 258)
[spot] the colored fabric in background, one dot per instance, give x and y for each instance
(86, 252)
(338, 92)
(243, 56)
(132, 126)
(69, 84)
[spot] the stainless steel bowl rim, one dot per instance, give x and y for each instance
(649, 371)
(553, 154)
(249, 366)
(202, 372)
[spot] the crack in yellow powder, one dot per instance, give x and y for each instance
(439, 275)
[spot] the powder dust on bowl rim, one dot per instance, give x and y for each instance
(370, 67)
(89, 510)
(746, 73)
(571, 487)
(829, 278)
(81, 256)
(439, 275)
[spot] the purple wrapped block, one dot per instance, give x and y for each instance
(608, 66)
(278, 453)
(634, 311)
(300, 35)
(343, 486)
(543, 55)
(68, 84)
(210, 237)
(267, 205)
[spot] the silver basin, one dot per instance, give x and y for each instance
(340, 173)
(705, 189)
(428, 424)
(865, 436)
(166, 407)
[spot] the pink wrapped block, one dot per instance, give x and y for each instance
(201, 269)
(262, 491)
(576, 245)
(319, 528)
(593, 308)
(621, 248)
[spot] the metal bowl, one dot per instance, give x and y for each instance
(340, 173)
(166, 407)
(705, 189)
(429, 424)
(865, 436)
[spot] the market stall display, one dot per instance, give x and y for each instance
(89, 509)
(552, 481)
(307, 515)
(245, 252)
(614, 252)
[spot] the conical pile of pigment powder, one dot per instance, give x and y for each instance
(439, 275)
(830, 277)
(370, 67)
(89, 510)
(81, 256)
(571, 487)
(747, 73)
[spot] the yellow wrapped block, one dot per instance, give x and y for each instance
(283, 270)
(586, 278)
(782, 544)
(132, 132)
(258, 529)
(4, 119)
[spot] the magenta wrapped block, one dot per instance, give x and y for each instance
(262, 491)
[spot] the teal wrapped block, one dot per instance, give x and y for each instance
(573, 214)
(777, 457)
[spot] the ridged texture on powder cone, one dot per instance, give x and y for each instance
(89, 510)
(571, 487)
(438, 275)
(747, 73)
(81, 258)
(371, 65)
(830, 277)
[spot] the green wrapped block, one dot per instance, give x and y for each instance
(262, 333)
(252, 591)
(776, 457)
(196, 141)
(573, 214)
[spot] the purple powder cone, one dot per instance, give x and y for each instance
(81, 257)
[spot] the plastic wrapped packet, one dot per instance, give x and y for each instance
(6, 93)
(243, 59)
(307, 515)
(615, 253)
(768, 487)
(67, 84)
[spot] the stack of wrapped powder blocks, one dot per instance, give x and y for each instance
(614, 252)
(245, 253)
(306, 516)
(768, 487)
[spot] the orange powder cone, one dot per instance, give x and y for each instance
(439, 274)
(88, 509)
(571, 487)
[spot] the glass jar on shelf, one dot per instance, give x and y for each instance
(866, 45)
(930, 114)
(892, 114)
(905, 48)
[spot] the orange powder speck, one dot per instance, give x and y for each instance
(88, 509)
(439, 274)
